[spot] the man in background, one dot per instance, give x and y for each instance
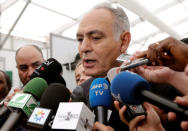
(28, 58)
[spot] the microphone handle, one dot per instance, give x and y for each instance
(101, 114)
(165, 104)
(132, 65)
(11, 121)
(3, 110)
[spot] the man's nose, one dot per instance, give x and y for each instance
(85, 46)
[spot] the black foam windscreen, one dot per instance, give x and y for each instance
(78, 95)
(49, 70)
(53, 95)
(57, 79)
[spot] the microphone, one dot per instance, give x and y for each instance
(135, 63)
(42, 117)
(60, 92)
(49, 70)
(100, 99)
(131, 88)
(78, 95)
(4, 113)
(81, 92)
(113, 72)
(116, 70)
(36, 87)
(74, 116)
(24, 103)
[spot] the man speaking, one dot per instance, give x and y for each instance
(103, 35)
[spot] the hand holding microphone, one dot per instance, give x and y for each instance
(131, 88)
(151, 121)
(168, 52)
(183, 101)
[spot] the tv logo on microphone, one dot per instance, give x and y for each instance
(73, 116)
(67, 117)
(102, 88)
(39, 116)
(23, 101)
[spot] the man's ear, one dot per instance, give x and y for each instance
(125, 38)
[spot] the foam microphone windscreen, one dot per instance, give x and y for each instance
(99, 94)
(125, 85)
(53, 95)
(50, 71)
(51, 65)
(36, 87)
(56, 79)
(78, 95)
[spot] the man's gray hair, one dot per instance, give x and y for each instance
(121, 22)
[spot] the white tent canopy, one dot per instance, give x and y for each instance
(151, 20)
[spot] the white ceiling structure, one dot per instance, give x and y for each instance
(151, 20)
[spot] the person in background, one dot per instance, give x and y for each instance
(80, 73)
(28, 58)
(5, 84)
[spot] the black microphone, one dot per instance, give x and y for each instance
(24, 103)
(116, 70)
(42, 117)
(81, 92)
(74, 116)
(59, 92)
(78, 95)
(130, 88)
(49, 70)
(135, 63)
(100, 99)
(4, 113)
